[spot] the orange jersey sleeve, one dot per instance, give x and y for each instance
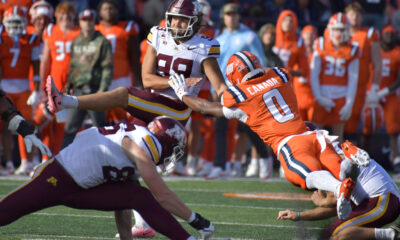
(119, 35)
(270, 105)
(390, 66)
(335, 62)
(16, 57)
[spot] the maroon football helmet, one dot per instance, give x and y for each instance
(172, 136)
(188, 9)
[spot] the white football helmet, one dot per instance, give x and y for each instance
(41, 8)
(15, 21)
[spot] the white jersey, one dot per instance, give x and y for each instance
(184, 58)
(96, 156)
(372, 181)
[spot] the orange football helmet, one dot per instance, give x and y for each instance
(15, 21)
(242, 66)
(339, 28)
(372, 119)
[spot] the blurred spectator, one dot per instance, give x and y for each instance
(234, 37)
(275, 7)
(123, 36)
(267, 36)
(376, 12)
(57, 40)
(153, 12)
(91, 71)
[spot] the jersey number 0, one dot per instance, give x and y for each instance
(277, 106)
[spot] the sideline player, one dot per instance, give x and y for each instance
(107, 161)
(18, 51)
(266, 97)
(376, 203)
(334, 76)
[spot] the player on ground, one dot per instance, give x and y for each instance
(105, 162)
(370, 67)
(334, 76)
(265, 101)
(123, 36)
(376, 203)
(18, 51)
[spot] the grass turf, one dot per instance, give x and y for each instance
(234, 218)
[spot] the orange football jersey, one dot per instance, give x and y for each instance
(60, 48)
(270, 105)
(334, 62)
(118, 35)
(16, 57)
(390, 66)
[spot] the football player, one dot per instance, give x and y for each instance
(123, 36)
(386, 94)
(376, 203)
(334, 76)
(265, 101)
(18, 51)
(105, 162)
(291, 49)
(370, 66)
(176, 48)
(55, 60)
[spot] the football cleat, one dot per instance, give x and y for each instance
(252, 168)
(205, 170)
(343, 205)
(357, 155)
(53, 95)
(180, 170)
(216, 173)
(138, 232)
(266, 168)
(207, 232)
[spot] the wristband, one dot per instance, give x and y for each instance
(298, 216)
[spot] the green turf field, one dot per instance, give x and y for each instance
(234, 218)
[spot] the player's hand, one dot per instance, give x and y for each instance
(203, 226)
(178, 83)
(326, 103)
(53, 95)
(34, 98)
(372, 98)
(345, 112)
(26, 130)
(287, 215)
(318, 198)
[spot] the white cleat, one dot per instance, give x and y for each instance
(252, 169)
(266, 168)
(179, 170)
(216, 173)
(205, 170)
(343, 207)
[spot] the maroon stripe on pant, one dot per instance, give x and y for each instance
(53, 186)
(391, 213)
(148, 116)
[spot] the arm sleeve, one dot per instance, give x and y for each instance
(352, 74)
(107, 65)
(315, 69)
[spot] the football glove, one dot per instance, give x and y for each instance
(203, 226)
(34, 98)
(346, 110)
(178, 83)
(326, 103)
(53, 95)
(21, 126)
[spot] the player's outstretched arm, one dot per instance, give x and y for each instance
(168, 199)
(178, 83)
(99, 101)
(213, 73)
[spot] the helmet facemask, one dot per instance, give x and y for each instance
(187, 32)
(15, 26)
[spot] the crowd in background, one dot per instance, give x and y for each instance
(55, 33)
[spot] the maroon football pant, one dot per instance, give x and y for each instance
(146, 106)
(53, 186)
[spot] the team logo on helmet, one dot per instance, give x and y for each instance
(242, 66)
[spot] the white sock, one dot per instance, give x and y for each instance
(190, 160)
(322, 180)
(384, 233)
(139, 221)
(69, 101)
